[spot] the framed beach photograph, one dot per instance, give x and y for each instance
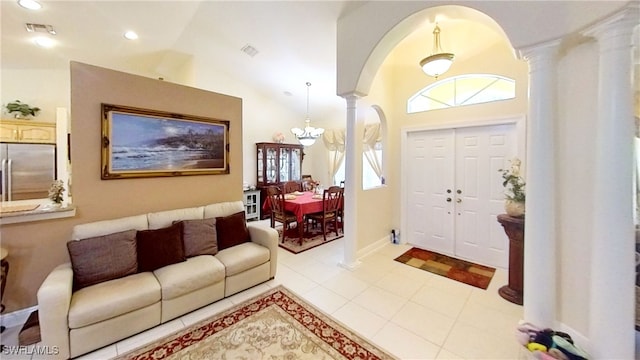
(149, 143)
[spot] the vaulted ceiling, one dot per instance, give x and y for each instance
(295, 40)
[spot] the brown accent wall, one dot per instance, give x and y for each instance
(37, 247)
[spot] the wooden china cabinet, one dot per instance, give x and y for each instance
(277, 163)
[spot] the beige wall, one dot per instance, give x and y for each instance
(35, 248)
(263, 116)
(46, 89)
(376, 210)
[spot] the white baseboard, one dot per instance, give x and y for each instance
(17, 318)
(364, 252)
(351, 266)
(372, 247)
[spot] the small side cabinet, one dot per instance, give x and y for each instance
(252, 205)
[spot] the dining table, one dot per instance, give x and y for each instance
(301, 203)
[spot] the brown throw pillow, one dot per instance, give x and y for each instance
(103, 258)
(160, 247)
(199, 237)
(232, 230)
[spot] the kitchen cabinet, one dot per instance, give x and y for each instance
(27, 131)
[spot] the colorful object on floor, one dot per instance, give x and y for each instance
(460, 270)
(275, 325)
(312, 238)
(548, 344)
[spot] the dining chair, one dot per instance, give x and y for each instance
(278, 213)
(291, 186)
(331, 204)
(341, 210)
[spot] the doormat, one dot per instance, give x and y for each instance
(460, 270)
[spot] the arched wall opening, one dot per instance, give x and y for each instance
(574, 78)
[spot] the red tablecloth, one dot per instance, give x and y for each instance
(303, 204)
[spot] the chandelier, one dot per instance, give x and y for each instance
(309, 134)
(439, 62)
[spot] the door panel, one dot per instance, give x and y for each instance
(430, 175)
(480, 152)
(416, 194)
(466, 162)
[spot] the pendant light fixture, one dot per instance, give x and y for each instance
(308, 135)
(439, 62)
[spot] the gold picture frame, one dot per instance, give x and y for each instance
(140, 143)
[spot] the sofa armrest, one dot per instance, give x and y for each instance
(267, 237)
(54, 299)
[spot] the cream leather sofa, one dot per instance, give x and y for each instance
(77, 322)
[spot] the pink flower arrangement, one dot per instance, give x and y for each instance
(278, 137)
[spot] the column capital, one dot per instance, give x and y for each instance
(540, 53)
(356, 94)
(618, 24)
(352, 99)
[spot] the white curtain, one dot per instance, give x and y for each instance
(372, 135)
(334, 142)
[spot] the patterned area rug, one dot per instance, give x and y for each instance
(460, 270)
(274, 325)
(312, 238)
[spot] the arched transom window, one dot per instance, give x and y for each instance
(462, 90)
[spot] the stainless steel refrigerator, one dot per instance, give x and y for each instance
(27, 170)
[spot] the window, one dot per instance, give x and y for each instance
(369, 177)
(372, 150)
(462, 90)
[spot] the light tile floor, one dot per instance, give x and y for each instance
(410, 313)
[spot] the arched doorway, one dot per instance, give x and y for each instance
(362, 46)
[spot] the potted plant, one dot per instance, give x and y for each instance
(514, 186)
(55, 192)
(19, 109)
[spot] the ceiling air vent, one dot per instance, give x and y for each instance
(40, 28)
(249, 50)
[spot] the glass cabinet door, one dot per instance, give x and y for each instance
(278, 163)
(272, 165)
(285, 159)
(295, 164)
(260, 165)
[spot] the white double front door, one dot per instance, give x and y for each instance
(454, 191)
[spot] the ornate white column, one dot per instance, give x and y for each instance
(350, 261)
(612, 296)
(539, 288)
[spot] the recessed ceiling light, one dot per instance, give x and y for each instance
(130, 35)
(30, 4)
(43, 41)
